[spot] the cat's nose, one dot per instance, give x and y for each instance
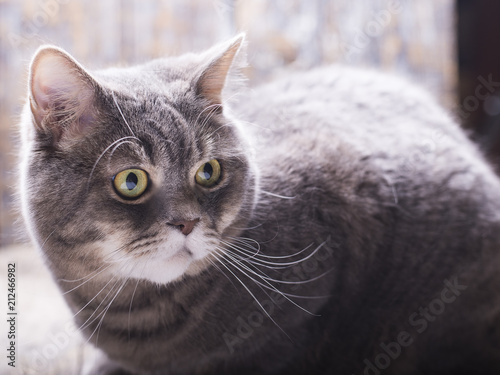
(185, 226)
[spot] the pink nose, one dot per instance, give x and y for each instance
(185, 226)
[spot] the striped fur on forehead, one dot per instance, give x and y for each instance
(180, 131)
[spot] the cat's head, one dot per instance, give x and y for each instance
(136, 172)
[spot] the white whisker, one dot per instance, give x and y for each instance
(261, 255)
(88, 322)
(133, 294)
(249, 228)
(280, 264)
(93, 298)
(213, 108)
(87, 278)
(210, 107)
(46, 239)
(264, 276)
(268, 286)
(121, 113)
(107, 263)
(118, 145)
(102, 154)
(255, 298)
(130, 306)
(220, 270)
(99, 325)
(277, 195)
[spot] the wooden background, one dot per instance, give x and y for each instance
(413, 38)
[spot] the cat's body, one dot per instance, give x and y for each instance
(362, 195)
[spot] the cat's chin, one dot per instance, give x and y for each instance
(162, 269)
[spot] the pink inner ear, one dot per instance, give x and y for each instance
(213, 79)
(49, 73)
(41, 95)
(62, 94)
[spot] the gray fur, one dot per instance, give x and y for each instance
(385, 195)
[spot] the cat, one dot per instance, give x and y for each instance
(336, 221)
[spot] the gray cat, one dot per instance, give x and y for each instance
(334, 222)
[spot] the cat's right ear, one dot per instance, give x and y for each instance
(61, 95)
(219, 61)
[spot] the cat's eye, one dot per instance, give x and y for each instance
(130, 183)
(208, 174)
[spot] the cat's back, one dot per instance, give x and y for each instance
(389, 123)
(347, 102)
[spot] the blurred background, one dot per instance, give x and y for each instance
(452, 47)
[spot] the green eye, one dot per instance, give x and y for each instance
(208, 174)
(131, 183)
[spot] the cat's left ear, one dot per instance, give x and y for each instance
(221, 60)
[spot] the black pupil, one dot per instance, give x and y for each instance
(207, 171)
(131, 181)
